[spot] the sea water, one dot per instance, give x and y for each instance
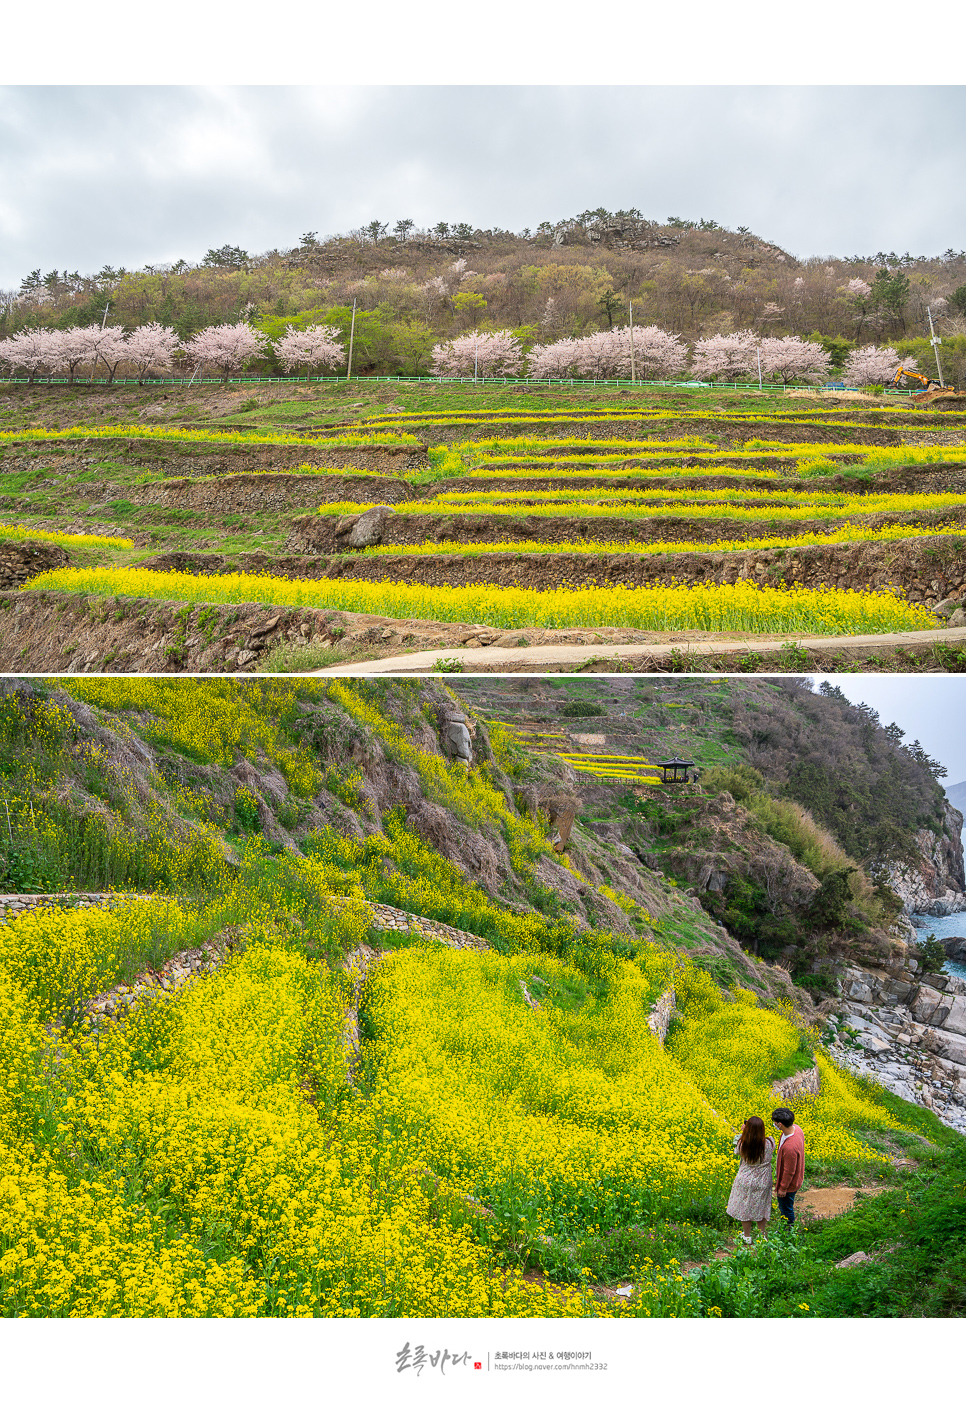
(942, 926)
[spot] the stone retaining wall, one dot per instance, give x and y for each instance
(926, 569)
(804, 1083)
(660, 1019)
(21, 561)
(184, 458)
(13, 904)
(252, 492)
(321, 535)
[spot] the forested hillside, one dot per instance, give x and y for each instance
(414, 288)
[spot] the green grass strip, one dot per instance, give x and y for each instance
(741, 607)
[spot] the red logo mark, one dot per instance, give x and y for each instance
(477, 1365)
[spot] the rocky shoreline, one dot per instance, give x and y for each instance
(907, 1032)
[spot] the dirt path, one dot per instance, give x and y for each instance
(809, 1205)
(652, 657)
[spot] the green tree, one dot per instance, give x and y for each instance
(889, 293)
(610, 303)
(469, 307)
(228, 256)
(931, 954)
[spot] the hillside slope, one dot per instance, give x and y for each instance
(345, 1112)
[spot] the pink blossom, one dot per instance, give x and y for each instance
(316, 345)
(554, 361)
(36, 352)
(858, 287)
(873, 365)
(77, 347)
(482, 352)
(599, 355)
(108, 344)
(658, 355)
(152, 347)
(790, 358)
(228, 346)
(726, 356)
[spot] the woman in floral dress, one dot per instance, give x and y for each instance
(750, 1199)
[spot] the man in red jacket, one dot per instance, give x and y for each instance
(790, 1170)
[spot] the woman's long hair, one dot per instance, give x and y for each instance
(751, 1146)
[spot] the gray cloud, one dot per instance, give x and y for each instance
(128, 175)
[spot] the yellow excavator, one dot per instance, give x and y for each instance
(923, 380)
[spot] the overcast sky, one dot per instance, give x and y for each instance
(134, 175)
(930, 709)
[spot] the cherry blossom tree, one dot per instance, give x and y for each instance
(858, 287)
(36, 352)
(599, 354)
(480, 352)
(725, 356)
(108, 344)
(874, 365)
(554, 361)
(316, 345)
(228, 346)
(788, 358)
(658, 355)
(152, 347)
(78, 346)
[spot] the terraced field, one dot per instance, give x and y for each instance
(669, 522)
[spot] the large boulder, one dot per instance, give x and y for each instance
(955, 947)
(561, 810)
(956, 1017)
(368, 528)
(929, 1006)
(455, 733)
(952, 1046)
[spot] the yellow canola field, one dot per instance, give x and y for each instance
(851, 532)
(741, 607)
(161, 434)
(207, 1155)
(62, 538)
(685, 503)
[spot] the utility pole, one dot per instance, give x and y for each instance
(476, 357)
(758, 351)
(352, 337)
(633, 370)
(935, 342)
(103, 323)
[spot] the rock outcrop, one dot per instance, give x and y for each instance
(936, 885)
(908, 1032)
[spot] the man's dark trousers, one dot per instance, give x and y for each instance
(786, 1207)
